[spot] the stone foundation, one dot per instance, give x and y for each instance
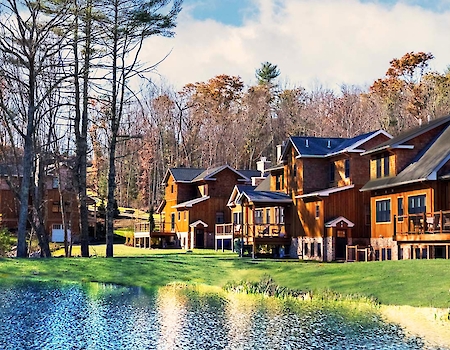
(384, 248)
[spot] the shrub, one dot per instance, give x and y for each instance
(6, 241)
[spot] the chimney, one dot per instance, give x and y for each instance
(262, 165)
(279, 152)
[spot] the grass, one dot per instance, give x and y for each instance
(423, 283)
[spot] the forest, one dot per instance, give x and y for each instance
(73, 89)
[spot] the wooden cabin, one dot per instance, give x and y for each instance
(410, 193)
(259, 220)
(58, 191)
(324, 177)
(195, 200)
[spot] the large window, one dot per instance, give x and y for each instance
(383, 211)
(416, 204)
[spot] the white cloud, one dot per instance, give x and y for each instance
(329, 41)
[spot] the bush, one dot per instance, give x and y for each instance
(6, 241)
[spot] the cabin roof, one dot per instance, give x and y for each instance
(326, 192)
(424, 167)
(328, 146)
(272, 197)
(398, 141)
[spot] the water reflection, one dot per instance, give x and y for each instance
(94, 316)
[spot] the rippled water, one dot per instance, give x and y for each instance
(42, 316)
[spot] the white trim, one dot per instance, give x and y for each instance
(198, 222)
(190, 203)
(326, 192)
(334, 222)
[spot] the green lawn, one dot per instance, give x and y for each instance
(405, 282)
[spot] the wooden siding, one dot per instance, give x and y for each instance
(386, 229)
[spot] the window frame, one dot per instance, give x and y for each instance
(383, 216)
(347, 168)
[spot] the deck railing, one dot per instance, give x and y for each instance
(423, 223)
(145, 227)
(251, 230)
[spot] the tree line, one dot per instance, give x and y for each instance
(72, 89)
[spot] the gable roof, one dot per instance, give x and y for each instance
(334, 222)
(424, 167)
(182, 174)
(321, 147)
(398, 141)
(190, 175)
(237, 190)
(254, 197)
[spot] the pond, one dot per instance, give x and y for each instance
(95, 316)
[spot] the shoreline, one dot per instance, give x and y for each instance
(430, 324)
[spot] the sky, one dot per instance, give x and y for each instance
(327, 43)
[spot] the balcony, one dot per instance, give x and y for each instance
(425, 227)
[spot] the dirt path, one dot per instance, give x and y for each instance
(430, 324)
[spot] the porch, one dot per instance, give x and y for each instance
(144, 238)
(425, 227)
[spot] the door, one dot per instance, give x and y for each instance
(199, 238)
(341, 244)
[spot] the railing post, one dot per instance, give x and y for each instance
(395, 228)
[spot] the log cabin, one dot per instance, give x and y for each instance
(195, 200)
(410, 193)
(57, 191)
(310, 206)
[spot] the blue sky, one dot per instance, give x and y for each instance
(233, 12)
(314, 42)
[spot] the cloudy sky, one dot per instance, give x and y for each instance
(313, 42)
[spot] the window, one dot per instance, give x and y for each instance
(184, 215)
(416, 204)
(386, 165)
(383, 210)
(305, 250)
(378, 165)
(279, 215)
(400, 211)
(220, 217)
(367, 214)
(294, 170)
(56, 207)
(332, 171)
(347, 168)
(179, 215)
(172, 222)
(237, 218)
(55, 182)
(319, 250)
(317, 211)
(267, 215)
(171, 188)
(312, 249)
(259, 216)
(278, 182)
